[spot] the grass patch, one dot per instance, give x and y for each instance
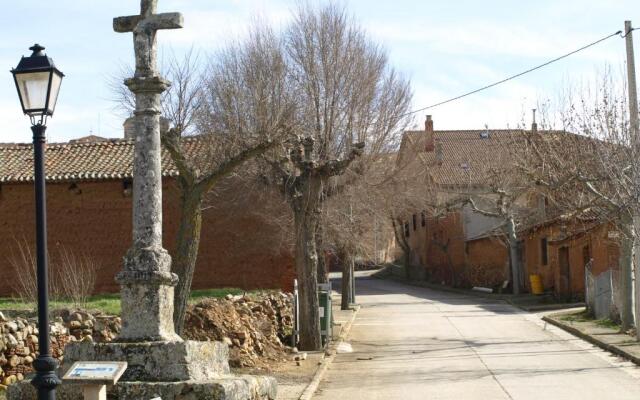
(607, 323)
(217, 293)
(110, 303)
(580, 316)
(583, 316)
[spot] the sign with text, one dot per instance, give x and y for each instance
(95, 372)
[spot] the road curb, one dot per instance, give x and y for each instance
(612, 348)
(504, 297)
(442, 288)
(311, 388)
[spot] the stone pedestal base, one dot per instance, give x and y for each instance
(186, 370)
(156, 361)
(224, 388)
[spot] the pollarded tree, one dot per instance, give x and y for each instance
(325, 86)
(350, 103)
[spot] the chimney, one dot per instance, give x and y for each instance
(130, 128)
(439, 152)
(534, 125)
(428, 130)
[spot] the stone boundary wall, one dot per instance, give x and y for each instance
(239, 247)
(19, 339)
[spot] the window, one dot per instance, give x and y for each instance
(127, 187)
(544, 255)
(406, 229)
(414, 222)
(73, 188)
(423, 219)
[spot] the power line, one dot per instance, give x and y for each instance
(516, 75)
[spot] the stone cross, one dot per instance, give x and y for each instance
(144, 28)
(146, 280)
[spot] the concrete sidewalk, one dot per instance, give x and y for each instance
(296, 381)
(606, 338)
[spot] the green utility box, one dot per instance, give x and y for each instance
(324, 300)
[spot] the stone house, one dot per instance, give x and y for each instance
(455, 245)
(89, 212)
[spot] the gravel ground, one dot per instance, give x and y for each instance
(292, 379)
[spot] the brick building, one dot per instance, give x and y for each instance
(458, 246)
(558, 251)
(89, 212)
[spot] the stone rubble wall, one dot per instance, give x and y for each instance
(19, 339)
(257, 329)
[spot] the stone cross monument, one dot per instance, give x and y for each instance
(146, 279)
(160, 363)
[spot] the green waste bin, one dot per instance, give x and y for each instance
(324, 302)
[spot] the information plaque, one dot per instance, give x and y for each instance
(95, 372)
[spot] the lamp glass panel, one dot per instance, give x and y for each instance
(33, 89)
(56, 80)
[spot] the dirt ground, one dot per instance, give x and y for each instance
(292, 379)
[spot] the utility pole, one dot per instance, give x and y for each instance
(634, 129)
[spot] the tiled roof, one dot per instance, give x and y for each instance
(468, 156)
(97, 160)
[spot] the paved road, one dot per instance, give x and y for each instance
(416, 343)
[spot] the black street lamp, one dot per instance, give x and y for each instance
(38, 83)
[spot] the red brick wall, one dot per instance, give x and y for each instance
(603, 251)
(238, 248)
(487, 262)
(441, 249)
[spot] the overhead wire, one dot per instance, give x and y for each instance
(520, 74)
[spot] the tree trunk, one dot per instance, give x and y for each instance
(512, 240)
(625, 266)
(184, 260)
(305, 209)
(323, 269)
(636, 271)
(636, 286)
(347, 294)
(398, 232)
(406, 262)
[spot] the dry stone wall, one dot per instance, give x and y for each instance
(256, 327)
(19, 339)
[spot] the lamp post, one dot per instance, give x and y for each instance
(38, 83)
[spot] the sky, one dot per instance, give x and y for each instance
(445, 48)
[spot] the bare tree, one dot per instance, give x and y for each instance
(234, 110)
(351, 211)
(593, 159)
(321, 83)
(350, 102)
